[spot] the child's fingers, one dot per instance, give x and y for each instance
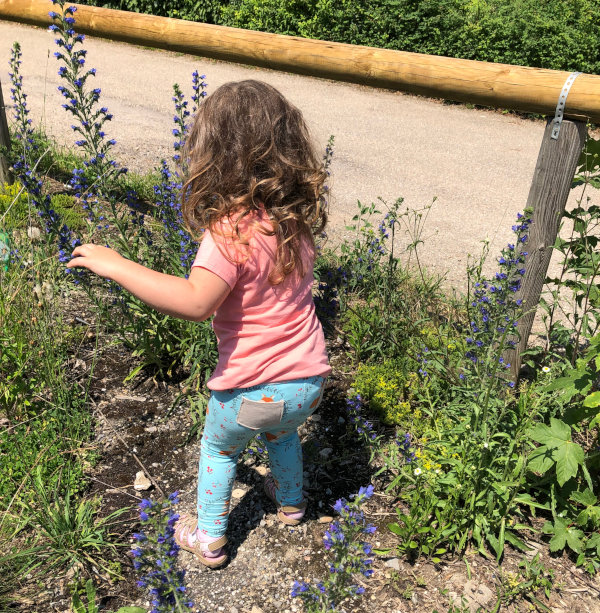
(80, 256)
(81, 250)
(77, 262)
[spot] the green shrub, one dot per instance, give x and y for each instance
(15, 211)
(13, 206)
(557, 34)
(193, 10)
(69, 211)
(389, 389)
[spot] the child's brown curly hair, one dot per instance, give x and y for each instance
(249, 147)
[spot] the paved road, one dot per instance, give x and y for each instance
(477, 164)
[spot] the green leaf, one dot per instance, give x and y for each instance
(541, 460)
(585, 498)
(558, 447)
(553, 435)
(396, 529)
(592, 401)
(495, 544)
(528, 500)
(594, 542)
(131, 610)
(568, 459)
(515, 541)
(378, 552)
(574, 539)
(583, 518)
(560, 383)
(559, 540)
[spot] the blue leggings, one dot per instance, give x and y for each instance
(233, 417)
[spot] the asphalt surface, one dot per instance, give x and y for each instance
(476, 164)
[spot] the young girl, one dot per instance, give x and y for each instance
(254, 186)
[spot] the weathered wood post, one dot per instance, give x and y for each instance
(554, 171)
(5, 174)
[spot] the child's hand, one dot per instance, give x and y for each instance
(100, 260)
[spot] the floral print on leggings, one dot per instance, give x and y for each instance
(284, 406)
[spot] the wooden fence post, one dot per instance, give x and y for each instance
(554, 171)
(5, 174)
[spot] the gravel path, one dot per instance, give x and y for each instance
(478, 164)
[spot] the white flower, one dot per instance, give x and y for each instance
(546, 369)
(485, 445)
(417, 471)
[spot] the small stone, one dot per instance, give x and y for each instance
(341, 420)
(256, 609)
(325, 453)
(325, 519)
(238, 493)
(316, 417)
(262, 470)
(141, 482)
(151, 429)
(534, 549)
(124, 397)
(477, 595)
(393, 563)
(33, 233)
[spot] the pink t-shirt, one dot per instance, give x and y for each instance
(266, 333)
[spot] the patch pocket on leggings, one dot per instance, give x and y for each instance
(258, 414)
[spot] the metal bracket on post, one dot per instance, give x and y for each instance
(560, 107)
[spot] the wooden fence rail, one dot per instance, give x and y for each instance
(500, 85)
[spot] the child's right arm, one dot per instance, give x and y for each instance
(195, 298)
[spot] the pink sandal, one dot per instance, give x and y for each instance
(291, 515)
(206, 553)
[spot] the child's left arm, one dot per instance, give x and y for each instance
(195, 298)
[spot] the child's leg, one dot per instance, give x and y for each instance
(222, 442)
(285, 452)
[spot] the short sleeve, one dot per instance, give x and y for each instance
(212, 258)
